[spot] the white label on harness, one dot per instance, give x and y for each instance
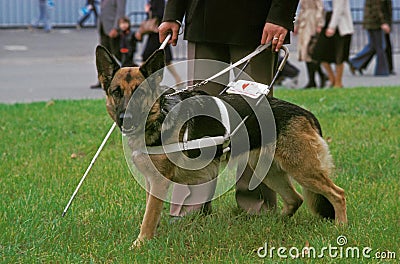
(248, 88)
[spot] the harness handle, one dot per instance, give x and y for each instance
(257, 51)
(165, 42)
(281, 65)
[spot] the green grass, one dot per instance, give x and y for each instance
(38, 176)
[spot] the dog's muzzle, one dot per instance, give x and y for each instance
(126, 122)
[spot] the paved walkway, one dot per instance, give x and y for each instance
(37, 66)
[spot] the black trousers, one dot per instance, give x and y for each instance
(261, 69)
(388, 51)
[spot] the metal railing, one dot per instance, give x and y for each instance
(19, 13)
(358, 41)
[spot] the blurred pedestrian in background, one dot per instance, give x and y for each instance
(388, 12)
(155, 9)
(45, 9)
(377, 23)
(86, 11)
(127, 42)
(110, 12)
(333, 45)
(308, 25)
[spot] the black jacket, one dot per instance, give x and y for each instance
(238, 22)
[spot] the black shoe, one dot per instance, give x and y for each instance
(279, 80)
(324, 80)
(95, 86)
(360, 71)
(310, 86)
(352, 69)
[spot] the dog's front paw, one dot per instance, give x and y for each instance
(136, 244)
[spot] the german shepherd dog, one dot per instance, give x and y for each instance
(300, 151)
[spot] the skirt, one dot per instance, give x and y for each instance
(334, 49)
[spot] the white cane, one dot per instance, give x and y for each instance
(89, 168)
(165, 42)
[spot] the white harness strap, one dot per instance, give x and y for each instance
(224, 115)
(189, 145)
(201, 142)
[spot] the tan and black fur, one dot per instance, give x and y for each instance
(301, 153)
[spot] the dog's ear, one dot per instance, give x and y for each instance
(154, 63)
(107, 66)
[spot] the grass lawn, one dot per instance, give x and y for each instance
(38, 176)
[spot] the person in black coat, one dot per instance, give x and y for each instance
(236, 22)
(107, 25)
(155, 8)
(226, 31)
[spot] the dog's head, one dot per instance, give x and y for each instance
(120, 83)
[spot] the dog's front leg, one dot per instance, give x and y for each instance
(158, 171)
(154, 205)
(150, 221)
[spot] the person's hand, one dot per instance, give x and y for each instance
(169, 27)
(113, 33)
(330, 32)
(319, 29)
(274, 33)
(147, 8)
(386, 28)
(296, 30)
(138, 36)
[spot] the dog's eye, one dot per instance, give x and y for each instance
(117, 93)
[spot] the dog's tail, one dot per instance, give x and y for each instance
(318, 204)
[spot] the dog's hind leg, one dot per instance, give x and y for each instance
(280, 182)
(322, 194)
(304, 155)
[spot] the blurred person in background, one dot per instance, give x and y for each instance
(155, 9)
(86, 11)
(308, 25)
(45, 8)
(388, 12)
(333, 45)
(377, 24)
(110, 12)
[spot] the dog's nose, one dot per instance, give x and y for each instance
(126, 120)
